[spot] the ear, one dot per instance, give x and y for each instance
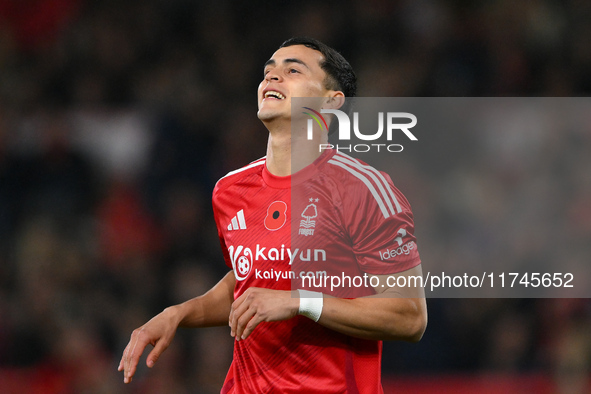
(335, 100)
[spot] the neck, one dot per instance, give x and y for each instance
(288, 152)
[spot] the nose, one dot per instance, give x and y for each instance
(272, 75)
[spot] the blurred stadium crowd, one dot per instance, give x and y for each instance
(117, 118)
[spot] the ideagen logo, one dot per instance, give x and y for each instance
(402, 233)
(400, 250)
(345, 129)
(397, 251)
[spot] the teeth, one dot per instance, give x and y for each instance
(272, 93)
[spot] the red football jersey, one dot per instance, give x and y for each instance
(338, 217)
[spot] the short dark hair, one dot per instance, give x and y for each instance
(339, 73)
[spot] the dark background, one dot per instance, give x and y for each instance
(117, 118)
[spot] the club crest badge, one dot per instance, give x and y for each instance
(307, 225)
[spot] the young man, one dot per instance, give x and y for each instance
(284, 341)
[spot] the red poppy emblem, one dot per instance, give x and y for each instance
(276, 215)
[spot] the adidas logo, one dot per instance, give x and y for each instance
(238, 222)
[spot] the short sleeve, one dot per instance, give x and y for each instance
(216, 214)
(381, 226)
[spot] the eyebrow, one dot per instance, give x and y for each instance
(271, 62)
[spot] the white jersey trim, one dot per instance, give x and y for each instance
(255, 163)
(379, 174)
(368, 169)
(364, 179)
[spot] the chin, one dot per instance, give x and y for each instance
(267, 115)
(263, 115)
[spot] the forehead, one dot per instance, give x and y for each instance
(311, 57)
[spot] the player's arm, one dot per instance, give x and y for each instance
(392, 314)
(210, 309)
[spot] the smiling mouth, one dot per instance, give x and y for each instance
(274, 94)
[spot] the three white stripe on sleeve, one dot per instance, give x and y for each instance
(370, 176)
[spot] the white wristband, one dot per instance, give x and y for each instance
(311, 303)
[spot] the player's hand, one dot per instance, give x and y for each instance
(256, 305)
(158, 332)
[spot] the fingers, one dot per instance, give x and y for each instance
(155, 353)
(251, 325)
(120, 368)
(245, 314)
(242, 321)
(158, 332)
(238, 308)
(132, 354)
(235, 315)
